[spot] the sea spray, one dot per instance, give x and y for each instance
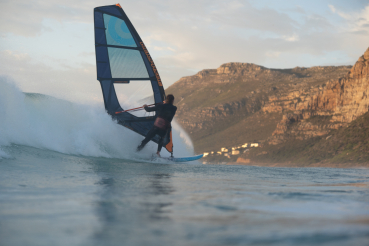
(182, 141)
(4, 155)
(50, 123)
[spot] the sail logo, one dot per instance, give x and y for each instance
(152, 63)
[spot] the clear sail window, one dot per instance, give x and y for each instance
(126, 63)
(135, 94)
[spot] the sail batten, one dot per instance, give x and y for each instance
(126, 71)
(118, 46)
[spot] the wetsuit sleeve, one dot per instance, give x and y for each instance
(150, 109)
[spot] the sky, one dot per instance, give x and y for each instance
(47, 46)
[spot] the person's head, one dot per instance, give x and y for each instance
(170, 98)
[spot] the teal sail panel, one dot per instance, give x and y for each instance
(117, 32)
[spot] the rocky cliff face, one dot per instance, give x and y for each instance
(242, 102)
(333, 105)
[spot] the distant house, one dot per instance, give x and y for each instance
(244, 145)
(224, 149)
(206, 154)
(235, 152)
(254, 145)
(219, 152)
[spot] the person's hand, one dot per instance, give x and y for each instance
(145, 105)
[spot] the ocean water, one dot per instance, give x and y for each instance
(70, 176)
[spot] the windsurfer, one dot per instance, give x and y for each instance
(162, 125)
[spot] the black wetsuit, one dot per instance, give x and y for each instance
(166, 113)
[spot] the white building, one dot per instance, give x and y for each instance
(235, 152)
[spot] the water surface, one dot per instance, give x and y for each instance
(49, 198)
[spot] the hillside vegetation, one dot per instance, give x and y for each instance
(345, 147)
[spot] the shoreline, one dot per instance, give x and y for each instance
(289, 164)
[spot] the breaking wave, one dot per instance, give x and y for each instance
(47, 122)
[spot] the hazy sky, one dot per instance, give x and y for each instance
(47, 46)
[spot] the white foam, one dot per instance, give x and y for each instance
(49, 123)
(4, 155)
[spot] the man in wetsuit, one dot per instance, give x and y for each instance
(165, 113)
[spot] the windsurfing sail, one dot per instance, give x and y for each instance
(126, 71)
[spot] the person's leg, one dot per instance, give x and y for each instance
(161, 133)
(160, 145)
(148, 137)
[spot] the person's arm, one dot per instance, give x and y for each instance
(150, 109)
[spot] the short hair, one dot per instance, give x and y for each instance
(170, 98)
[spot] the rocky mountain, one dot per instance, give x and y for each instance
(337, 104)
(242, 102)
